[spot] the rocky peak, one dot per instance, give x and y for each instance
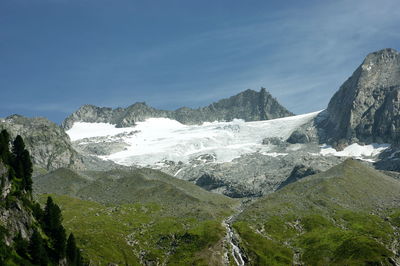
(366, 107)
(88, 113)
(48, 144)
(248, 105)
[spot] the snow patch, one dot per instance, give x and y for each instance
(82, 130)
(356, 150)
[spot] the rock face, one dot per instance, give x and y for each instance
(366, 108)
(48, 144)
(298, 172)
(14, 216)
(248, 105)
(254, 175)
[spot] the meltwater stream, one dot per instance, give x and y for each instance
(236, 253)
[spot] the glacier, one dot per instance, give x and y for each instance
(156, 140)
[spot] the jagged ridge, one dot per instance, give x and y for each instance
(248, 105)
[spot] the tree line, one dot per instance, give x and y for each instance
(48, 244)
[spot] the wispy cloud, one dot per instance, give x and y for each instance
(307, 50)
(301, 54)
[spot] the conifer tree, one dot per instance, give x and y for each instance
(21, 163)
(21, 245)
(4, 146)
(79, 259)
(72, 251)
(38, 212)
(28, 169)
(37, 249)
(52, 225)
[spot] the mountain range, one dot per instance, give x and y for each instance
(241, 181)
(248, 105)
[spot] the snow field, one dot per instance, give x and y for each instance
(158, 139)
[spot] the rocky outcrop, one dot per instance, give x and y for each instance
(248, 105)
(298, 172)
(366, 108)
(15, 218)
(48, 144)
(254, 175)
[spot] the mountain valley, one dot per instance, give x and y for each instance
(242, 181)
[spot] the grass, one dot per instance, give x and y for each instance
(261, 250)
(132, 216)
(130, 233)
(345, 216)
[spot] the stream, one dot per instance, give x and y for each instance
(236, 253)
(232, 238)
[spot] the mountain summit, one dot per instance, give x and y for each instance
(248, 105)
(367, 106)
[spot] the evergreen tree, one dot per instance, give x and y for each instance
(37, 249)
(21, 246)
(72, 251)
(22, 164)
(18, 146)
(48, 217)
(53, 227)
(4, 146)
(59, 242)
(28, 169)
(38, 212)
(79, 259)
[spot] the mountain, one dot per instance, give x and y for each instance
(29, 234)
(135, 185)
(48, 144)
(237, 158)
(347, 215)
(366, 108)
(140, 216)
(248, 105)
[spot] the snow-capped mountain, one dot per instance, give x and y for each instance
(234, 158)
(247, 144)
(159, 139)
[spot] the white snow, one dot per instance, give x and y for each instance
(158, 139)
(81, 130)
(355, 150)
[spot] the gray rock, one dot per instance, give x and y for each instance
(248, 105)
(298, 137)
(298, 172)
(272, 141)
(209, 182)
(254, 175)
(48, 144)
(15, 217)
(366, 108)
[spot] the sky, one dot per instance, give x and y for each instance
(56, 55)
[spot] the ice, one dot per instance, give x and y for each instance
(356, 150)
(158, 139)
(81, 130)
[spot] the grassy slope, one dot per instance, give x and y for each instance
(140, 215)
(346, 215)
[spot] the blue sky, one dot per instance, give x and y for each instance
(56, 55)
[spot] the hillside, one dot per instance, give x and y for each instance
(346, 215)
(139, 216)
(29, 234)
